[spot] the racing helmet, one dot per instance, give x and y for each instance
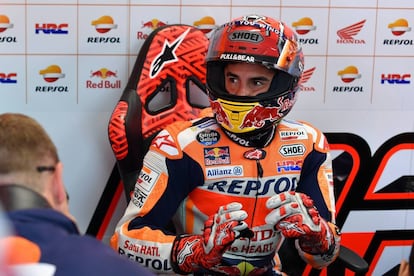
(261, 40)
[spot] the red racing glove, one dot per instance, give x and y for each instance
(192, 252)
(295, 215)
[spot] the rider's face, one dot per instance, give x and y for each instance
(247, 79)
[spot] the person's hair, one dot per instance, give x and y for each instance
(25, 147)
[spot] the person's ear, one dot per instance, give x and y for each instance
(404, 269)
(60, 194)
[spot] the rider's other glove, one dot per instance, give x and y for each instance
(295, 215)
(191, 253)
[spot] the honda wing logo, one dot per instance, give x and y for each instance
(347, 34)
(307, 74)
(167, 55)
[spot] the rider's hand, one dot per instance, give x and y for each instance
(192, 252)
(295, 215)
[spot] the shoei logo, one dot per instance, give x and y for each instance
(5, 23)
(246, 36)
(206, 24)
(52, 73)
(104, 24)
(304, 25)
(292, 150)
(346, 35)
(349, 74)
(399, 27)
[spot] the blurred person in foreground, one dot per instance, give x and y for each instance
(407, 266)
(241, 180)
(34, 199)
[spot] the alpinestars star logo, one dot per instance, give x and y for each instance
(167, 55)
(288, 226)
(186, 251)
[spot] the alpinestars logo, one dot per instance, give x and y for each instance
(186, 251)
(346, 35)
(167, 55)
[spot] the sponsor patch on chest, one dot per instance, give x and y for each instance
(216, 156)
(224, 171)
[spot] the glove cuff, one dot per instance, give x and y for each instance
(319, 242)
(321, 254)
(183, 254)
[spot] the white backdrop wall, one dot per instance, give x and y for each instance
(66, 63)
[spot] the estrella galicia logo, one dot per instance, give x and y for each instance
(208, 137)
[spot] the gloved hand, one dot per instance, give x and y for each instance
(191, 252)
(295, 215)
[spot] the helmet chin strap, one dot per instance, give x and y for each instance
(258, 138)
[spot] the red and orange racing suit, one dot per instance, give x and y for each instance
(192, 168)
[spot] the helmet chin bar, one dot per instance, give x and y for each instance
(255, 139)
(250, 116)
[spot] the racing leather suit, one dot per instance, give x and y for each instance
(192, 168)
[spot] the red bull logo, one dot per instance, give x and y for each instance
(242, 117)
(104, 73)
(259, 115)
(153, 24)
(216, 156)
(221, 116)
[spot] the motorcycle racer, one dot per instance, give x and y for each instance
(239, 181)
